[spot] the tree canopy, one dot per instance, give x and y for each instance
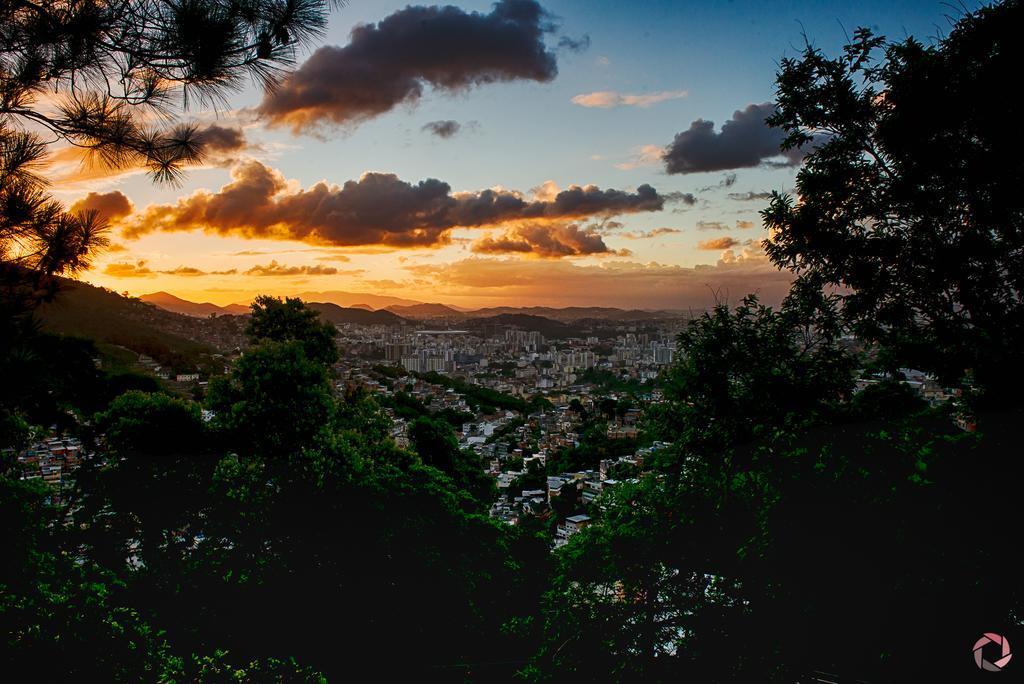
(907, 205)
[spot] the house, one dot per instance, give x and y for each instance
(569, 527)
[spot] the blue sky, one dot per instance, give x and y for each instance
(518, 135)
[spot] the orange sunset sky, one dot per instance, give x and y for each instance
(560, 153)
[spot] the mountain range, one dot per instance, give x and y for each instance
(410, 309)
(165, 300)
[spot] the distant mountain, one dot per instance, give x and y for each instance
(340, 314)
(547, 327)
(411, 309)
(425, 311)
(350, 299)
(166, 300)
(574, 313)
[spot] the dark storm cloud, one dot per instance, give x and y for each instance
(443, 129)
(378, 209)
(745, 141)
(391, 62)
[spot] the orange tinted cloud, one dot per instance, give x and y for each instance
(646, 155)
(379, 209)
(192, 271)
(606, 99)
(124, 270)
(139, 269)
(110, 206)
(545, 240)
(612, 283)
(276, 269)
(718, 243)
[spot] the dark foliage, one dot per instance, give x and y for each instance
(911, 201)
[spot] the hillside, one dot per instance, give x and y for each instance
(339, 314)
(176, 340)
(547, 327)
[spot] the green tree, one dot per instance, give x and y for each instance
(282, 321)
(435, 443)
(752, 373)
(912, 209)
(276, 402)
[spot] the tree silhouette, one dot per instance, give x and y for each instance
(99, 75)
(911, 199)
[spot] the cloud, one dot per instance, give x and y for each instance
(646, 155)
(647, 234)
(712, 225)
(608, 99)
(728, 180)
(379, 209)
(752, 254)
(580, 44)
(687, 198)
(187, 271)
(611, 283)
(749, 196)
(110, 206)
(124, 270)
(115, 247)
(745, 225)
(139, 269)
(192, 272)
(443, 129)
(222, 140)
(391, 62)
(276, 269)
(745, 141)
(718, 243)
(546, 240)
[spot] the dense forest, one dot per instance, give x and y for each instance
(795, 524)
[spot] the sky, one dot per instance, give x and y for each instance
(554, 153)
